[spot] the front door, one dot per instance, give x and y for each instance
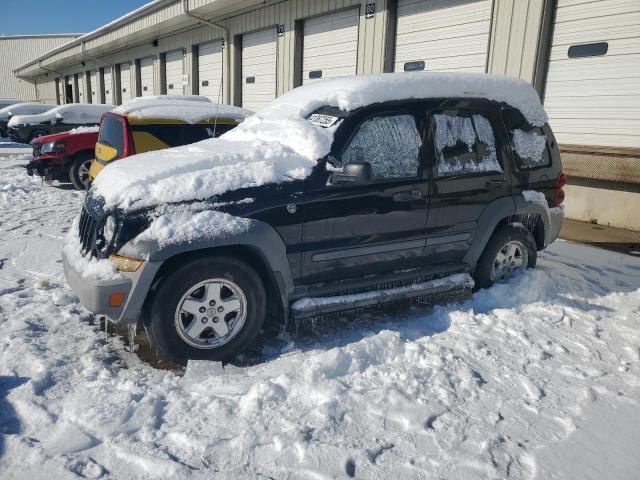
(351, 230)
(467, 175)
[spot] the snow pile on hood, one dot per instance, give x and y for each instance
(71, 113)
(79, 130)
(278, 143)
(190, 110)
(27, 108)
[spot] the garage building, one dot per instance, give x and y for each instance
(582, 57)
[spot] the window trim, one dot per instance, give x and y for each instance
(387, 113)
(433, 168)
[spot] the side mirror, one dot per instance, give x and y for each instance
(58, 119)
(353, 174)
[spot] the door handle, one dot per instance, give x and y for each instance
(495, 183)
(407, 196)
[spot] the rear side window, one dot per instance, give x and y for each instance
(111, 133)
(528, 143)
(390, 143)
(464, 144)
(177, 135)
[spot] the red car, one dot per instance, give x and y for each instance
(65, 156)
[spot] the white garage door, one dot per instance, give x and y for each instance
(330, 46)
(146, 76)
(108, 85)
(592, 95)
(210, 70)
(442, 35)
(174, 71)
(125, 82)
(93, 87)
(80, 83)
(258, 68)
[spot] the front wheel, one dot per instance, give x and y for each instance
(510, 250)
(207, 309)
(79, 171)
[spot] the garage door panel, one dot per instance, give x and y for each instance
(174, 72)
(447, 34)
(147, 79)
(330, 45)
(210, 70)
(259, 53)
(125, 82)
(595, 100)
(108, 85)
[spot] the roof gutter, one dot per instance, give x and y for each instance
(225, 30)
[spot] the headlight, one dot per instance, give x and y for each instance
(54, 147)
(107, 234)
(109, 230)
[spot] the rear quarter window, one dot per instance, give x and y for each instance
(111, 133)
(528, 143)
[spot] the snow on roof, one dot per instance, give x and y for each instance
(188, 108)
(278, 143)
(72, 113)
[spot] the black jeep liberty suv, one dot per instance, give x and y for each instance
(419, 195)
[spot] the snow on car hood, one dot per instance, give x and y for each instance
(278, 143)
(72, 113)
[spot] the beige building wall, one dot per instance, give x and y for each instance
(15, 51)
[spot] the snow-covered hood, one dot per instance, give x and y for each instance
(72, 114)
(279, 143)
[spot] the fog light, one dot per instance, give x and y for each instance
(116, 299)
(126, 264)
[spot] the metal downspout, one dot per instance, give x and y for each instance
(185, 8)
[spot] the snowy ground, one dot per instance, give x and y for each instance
(536, 378)
(9, 147)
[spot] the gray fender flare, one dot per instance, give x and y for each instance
(259, 236)
(492, 214)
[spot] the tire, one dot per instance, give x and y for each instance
(79, 171)
(37, 134)
(490, 269)
(174, 331)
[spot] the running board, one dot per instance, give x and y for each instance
(315, 306)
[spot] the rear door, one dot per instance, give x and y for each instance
(355, 230)
(174, 72)
(467, 170)
(210, 70)
(259, 51)
(125, 82)
(146, 76)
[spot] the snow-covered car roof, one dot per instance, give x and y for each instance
(25, 108)
(280, 143)
(72, 113)
(190, 109)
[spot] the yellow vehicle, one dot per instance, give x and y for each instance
(155, 123)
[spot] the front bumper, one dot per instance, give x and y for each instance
(94, 294)
(54, 168)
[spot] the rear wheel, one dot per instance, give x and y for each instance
(510, 250)
(79, 171)
(208, 309)
(37, 134)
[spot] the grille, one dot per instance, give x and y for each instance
(88, 228)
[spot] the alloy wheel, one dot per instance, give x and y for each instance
(211, 313)
(511, 258)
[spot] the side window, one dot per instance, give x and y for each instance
(528, 143)
(111, 133)
(464, 144)
(390, 143)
